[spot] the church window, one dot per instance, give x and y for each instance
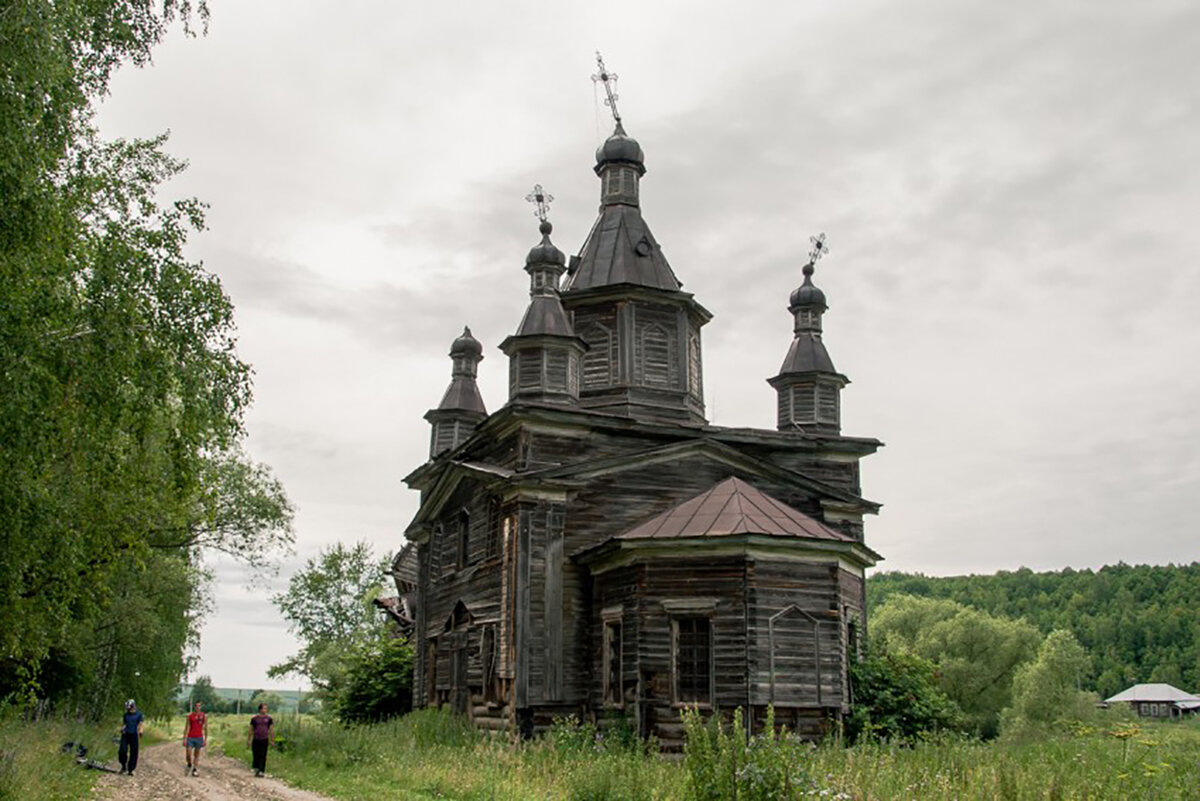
(431, 657)
(692, 660)
(487, 663)
(694, 378)
(804, 408)
(556, 371)
(599, 363)
(495, 524)
(827, 403)
(612, 662)
(656, 353)
(529, 369)
(463, 541)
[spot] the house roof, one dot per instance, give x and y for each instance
(728, 508)
(1152, 692)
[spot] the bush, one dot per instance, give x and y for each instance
(896, 697)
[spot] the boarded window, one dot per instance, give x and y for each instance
(827, 403)
(599, 363)
(804, 405)
(656, 357)
(556, 370)
(692, 662)
(612, 662)
(487, 664)
(529, 369)
(463, 541)
(495, 522)
(695, 380)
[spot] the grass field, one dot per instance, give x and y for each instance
(429, 755)
(32, 765)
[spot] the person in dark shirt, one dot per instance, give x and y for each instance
(131, 734)
(262, 733)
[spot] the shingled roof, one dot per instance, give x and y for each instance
(729, 508)
(1160, 693)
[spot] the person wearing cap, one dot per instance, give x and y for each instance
(195, 735)
(131, 733)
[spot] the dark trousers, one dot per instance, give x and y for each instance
(127, 752)
(258, 748)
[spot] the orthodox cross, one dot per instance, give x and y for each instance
(819, 248)
(609, 79)
(541, 200)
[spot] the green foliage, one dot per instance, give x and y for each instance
(897, 699)
(328, 606)
(204, 692)
(976, 655)
(1046, 690)
(121, 395)
(32, 762)
(1138, 623)
(726, 762)
(375, 683)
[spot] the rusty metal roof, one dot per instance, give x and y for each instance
(732, 507)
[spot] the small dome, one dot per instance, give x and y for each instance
(620, 147)
(808, 295)
(545, 252)
(466, 345)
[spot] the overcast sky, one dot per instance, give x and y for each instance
(1010, 194)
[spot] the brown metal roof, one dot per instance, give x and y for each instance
(732, 507)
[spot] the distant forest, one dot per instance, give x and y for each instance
(1139, 623)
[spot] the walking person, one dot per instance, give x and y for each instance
(195, 737)
(262, 734)
(132, 726)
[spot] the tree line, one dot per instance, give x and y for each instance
(1137, 623)
(121, 393)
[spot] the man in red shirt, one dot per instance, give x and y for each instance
(195, 736)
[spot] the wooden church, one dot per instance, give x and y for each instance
(595, 547)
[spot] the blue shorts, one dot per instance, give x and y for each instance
(195, 742)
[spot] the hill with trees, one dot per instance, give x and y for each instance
(1138, 623)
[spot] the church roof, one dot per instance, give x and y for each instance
(621, 250)
(729, 508)
(463, 395)
(807, 354)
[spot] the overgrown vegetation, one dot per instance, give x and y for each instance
(34, 766)
(1137, 623)
(431, 754)
(121, 394)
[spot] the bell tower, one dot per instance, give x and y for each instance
(808, 386)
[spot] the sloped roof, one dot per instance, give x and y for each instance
(621, 250)
(1152, 692)
(729, 508)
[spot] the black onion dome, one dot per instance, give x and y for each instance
(807, 294)
(466, 345)
(545, 252)
(620, 147)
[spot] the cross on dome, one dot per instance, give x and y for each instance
(609, 79)
(541, 199)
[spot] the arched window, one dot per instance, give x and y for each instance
(600, 361)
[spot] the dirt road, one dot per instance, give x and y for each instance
(159, 777)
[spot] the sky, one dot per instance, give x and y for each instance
(1010, 195)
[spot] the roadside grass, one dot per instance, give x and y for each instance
(432, 755)
(32, 765)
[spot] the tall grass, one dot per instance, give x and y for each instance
(430, 754)
(32, 765)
